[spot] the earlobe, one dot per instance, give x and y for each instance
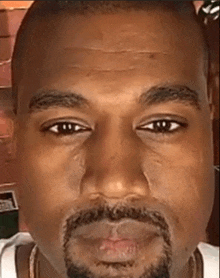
(13, 142)
(10, 141)
(198, 5)
(212, 111)
(6, 130)
(213, 90)
(211, 101)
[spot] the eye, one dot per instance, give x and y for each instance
(66, 128)
(162, 126)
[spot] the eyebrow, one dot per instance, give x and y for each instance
(45, 99)
(176, 93)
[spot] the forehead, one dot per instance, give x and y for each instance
(66, 50)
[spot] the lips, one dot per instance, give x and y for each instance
(111, 245)
(117, 251)
(111, 242)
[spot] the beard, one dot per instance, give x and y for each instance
(158, 271)
(76, 269)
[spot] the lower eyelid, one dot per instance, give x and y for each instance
(152, 123)
(180, 126)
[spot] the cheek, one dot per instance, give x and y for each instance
(50, 182)
(182, 182)
(187, 193)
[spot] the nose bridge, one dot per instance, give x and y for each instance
(114, 165)
(114, 154)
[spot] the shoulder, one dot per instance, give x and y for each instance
(210, 255)
(7, 253)
(16, 240)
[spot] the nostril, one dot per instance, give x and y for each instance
(134, 198)
(100, 198)
(97, 198)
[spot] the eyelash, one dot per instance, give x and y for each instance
(165, 127)
(70, 129)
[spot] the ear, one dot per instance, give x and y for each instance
(7, 133)
(213, 90)
(211, 107)
(12, 143)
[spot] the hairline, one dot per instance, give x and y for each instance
(29, 21)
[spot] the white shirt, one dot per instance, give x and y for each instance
(210, 255)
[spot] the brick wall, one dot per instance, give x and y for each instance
(11, 15)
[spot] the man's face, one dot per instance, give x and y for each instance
(114, 143)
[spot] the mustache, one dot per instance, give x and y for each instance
(116, 213)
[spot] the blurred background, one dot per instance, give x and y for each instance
(11, 220)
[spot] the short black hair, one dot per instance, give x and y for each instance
(42, 9)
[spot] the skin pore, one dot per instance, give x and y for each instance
(132, 87)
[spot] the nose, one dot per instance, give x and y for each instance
(113, 165)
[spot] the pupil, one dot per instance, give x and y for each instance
(162, 126)
(65, 128)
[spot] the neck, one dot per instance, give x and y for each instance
(44, 269)
(187, 271)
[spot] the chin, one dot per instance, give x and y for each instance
(141, 267)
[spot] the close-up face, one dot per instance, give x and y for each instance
(114, 143)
